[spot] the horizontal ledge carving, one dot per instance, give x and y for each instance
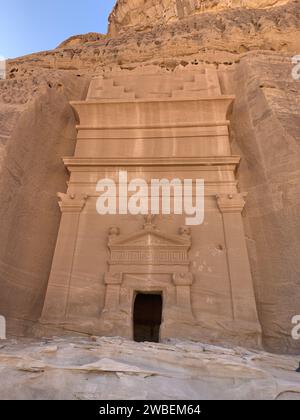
(169, 161)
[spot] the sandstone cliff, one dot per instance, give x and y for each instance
(251, 44)
(37, 127)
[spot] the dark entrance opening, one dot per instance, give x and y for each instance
(147, 317)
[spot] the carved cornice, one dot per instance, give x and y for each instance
(72, 203)
(231, 203)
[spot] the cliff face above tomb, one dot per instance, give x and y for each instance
(143, 14)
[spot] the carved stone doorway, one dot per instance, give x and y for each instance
(147, 317)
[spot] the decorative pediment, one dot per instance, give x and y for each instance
(149, 245)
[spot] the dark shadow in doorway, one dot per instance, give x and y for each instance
(147, 317)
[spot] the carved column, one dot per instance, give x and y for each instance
(57, 296)
(242, 291)
(183, 282)
(113, 283)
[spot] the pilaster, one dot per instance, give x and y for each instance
(56, 302)
(242, 290)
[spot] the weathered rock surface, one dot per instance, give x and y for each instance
(266, 133)
(79, 40)
(37, 128)
(112, 368)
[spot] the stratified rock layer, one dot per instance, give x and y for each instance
(252, 49)
(37, 127)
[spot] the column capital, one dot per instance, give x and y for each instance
(72, 203)
(231, 203)
(113, 278)
(183, 279)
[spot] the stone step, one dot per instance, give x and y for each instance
(211, 79)
(191, 86)
(98, 84)
(145, 86)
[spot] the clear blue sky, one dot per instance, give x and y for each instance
(28, 26)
